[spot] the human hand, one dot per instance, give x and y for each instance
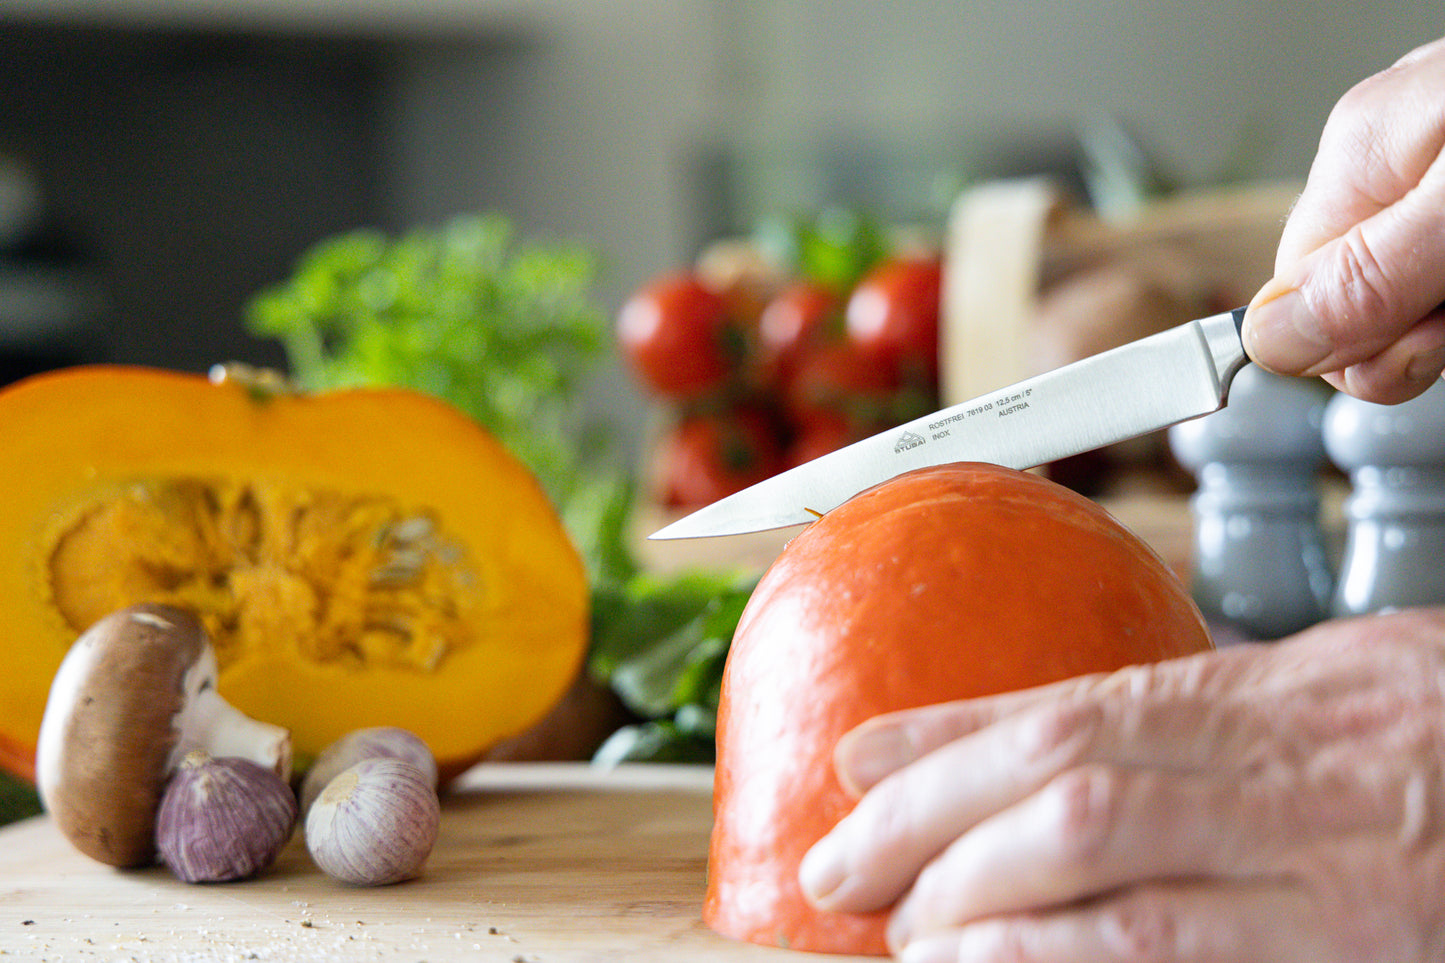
(1360, 273)
(1282, 802)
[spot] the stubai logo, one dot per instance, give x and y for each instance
(907, 440)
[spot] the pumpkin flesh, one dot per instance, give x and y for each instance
(355, 578)
(360, 557)
(946, 583)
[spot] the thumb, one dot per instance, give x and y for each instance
(1363, 309)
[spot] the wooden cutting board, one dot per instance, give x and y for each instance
(536, 863)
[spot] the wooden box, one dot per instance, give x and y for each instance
(1034, 282)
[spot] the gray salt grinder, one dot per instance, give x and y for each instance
(1260, 562)
(1395, 540)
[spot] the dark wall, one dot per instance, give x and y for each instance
(180, 174)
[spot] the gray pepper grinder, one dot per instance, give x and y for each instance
(1260, 564)
(1395, 540)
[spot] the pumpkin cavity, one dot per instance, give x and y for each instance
(339, 578)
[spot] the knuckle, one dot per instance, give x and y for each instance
(1018, 940)
(1059, 733)
(1371, 381)
(1353, 296)
(1137, 682)
(895, 816)
(1085, 812)
(1352, 123)
(931, 899)
(1142, 927)
(1362, 277)
(887, 813)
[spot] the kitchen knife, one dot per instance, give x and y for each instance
(1131, 390)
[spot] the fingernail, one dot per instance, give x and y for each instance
(865, 757)
(822, 870)
(1282, 334)
(1427, 365)
(935, 949)
(900, 929)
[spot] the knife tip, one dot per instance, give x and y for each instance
(671, 531)
(702, 525)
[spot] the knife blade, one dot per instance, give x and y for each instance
(1149, 384)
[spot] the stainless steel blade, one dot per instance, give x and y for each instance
(1131, 390)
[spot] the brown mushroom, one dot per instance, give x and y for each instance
(134, 694)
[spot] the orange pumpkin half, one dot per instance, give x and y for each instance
(946, 583)
(359, 557)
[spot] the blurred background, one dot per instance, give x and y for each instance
(162, 160)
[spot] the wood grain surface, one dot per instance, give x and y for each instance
(536, 863)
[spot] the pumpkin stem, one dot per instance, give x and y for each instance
(263, 384)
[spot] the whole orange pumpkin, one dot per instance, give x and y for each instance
(945, 583)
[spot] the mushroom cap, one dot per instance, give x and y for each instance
(108, 735)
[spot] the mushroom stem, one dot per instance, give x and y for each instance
(211, 723)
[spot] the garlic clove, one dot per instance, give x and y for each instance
(375, 823)
(386, 742)
(223, 819)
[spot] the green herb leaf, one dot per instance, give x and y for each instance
(630, 619)
(18, 799)
(835, 248)
(661, 741)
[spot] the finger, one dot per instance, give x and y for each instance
(1313, 667)
(885, 744)
(1359, 258)
(1377, 144)
(1098, 829)
(1088, 832)
(1190, 715)
(1403, 370)
(1181, 922)
(874, 853)
(905, 820)
(1360, 294)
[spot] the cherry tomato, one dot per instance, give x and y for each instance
(709, 455)
(678, 336)
(821, 434)
(892, 315)
(833, 378)
(798, 316)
